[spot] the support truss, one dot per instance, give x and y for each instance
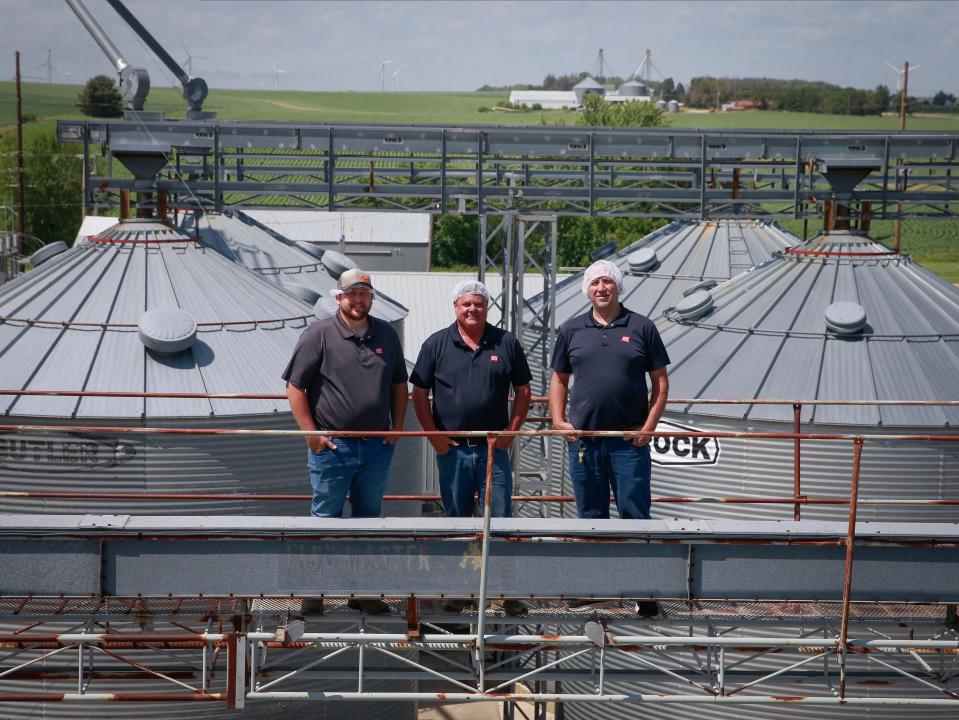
(644, 172)
(259, 649)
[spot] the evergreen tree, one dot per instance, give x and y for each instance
(100, 97)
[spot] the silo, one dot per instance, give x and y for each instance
(672, 106)
(657, 272)
(310, 274)
(145, 308)
(838, 318)
(842, 318)
(633, 88)
(586, 86)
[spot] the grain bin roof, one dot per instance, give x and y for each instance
(275, 257)
(587, 83)
(320, 226)
(686, 254)
(71, 324)
(767, 337)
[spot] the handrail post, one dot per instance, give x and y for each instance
(797, 444)
(484, 567)
(847, 579)
(236, 671)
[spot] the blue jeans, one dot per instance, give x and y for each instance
(463, 473)
(358, 467)
(610, 463)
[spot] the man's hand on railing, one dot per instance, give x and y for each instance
(563, 425)
(441, 443)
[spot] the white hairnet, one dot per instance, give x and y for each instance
(602, 268)
(470, 287)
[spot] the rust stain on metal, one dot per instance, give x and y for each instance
(789, 698)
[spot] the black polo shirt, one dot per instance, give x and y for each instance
(471, 388)
(347, 378)
(609, 364)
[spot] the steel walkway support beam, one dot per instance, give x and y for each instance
(432, 557)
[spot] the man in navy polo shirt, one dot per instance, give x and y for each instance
(470, 367)
(608, 351)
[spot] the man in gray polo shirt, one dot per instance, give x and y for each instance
(348, 373)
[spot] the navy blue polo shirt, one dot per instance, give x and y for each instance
(471, 387)
(609, 364)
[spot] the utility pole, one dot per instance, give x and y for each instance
(903, 94)
(902, 97)
(21, 206)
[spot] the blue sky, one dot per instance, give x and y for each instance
(446, 46)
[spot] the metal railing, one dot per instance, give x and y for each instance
(488, 678)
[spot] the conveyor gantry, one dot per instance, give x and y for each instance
(655, 172)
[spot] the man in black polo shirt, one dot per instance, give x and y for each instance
(348, 373)
(608, 351)
(470, 367)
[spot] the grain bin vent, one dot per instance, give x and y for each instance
(694, 305)
(167, 330)
(845, 318)
(642, 260)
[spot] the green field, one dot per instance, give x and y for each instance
(932, 243)
(44, 101)
(935, 244)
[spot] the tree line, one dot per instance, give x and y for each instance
(792, 95)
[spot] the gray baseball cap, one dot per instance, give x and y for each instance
(351, 278)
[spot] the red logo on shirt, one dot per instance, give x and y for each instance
(624, 338)
(494, 358)
(379, 351)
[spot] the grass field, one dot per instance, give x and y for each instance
(935, 244)
(44, 101)
(932, 243)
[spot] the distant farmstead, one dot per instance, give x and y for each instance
(546, 99)
(736, 105)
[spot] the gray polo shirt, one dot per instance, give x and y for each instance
(347, 378)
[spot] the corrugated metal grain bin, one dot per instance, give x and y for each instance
(72, 324)
(658, 271)
(837, 318)
(79, 323)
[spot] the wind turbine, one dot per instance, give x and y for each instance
(276, 76)
(900, 72)
(383, 74)
(50, 67)
(188, 63)
(393, 76)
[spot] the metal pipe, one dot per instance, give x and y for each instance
(705, 698)
(533, 640)
(151, 42)
(484, 567)
(101, 38)
(536, 399)
(847, 578)
(279, 497)
(465, 433)
(21, 201)
(797, 443)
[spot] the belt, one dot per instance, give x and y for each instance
(364, 438)
(469, 441)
